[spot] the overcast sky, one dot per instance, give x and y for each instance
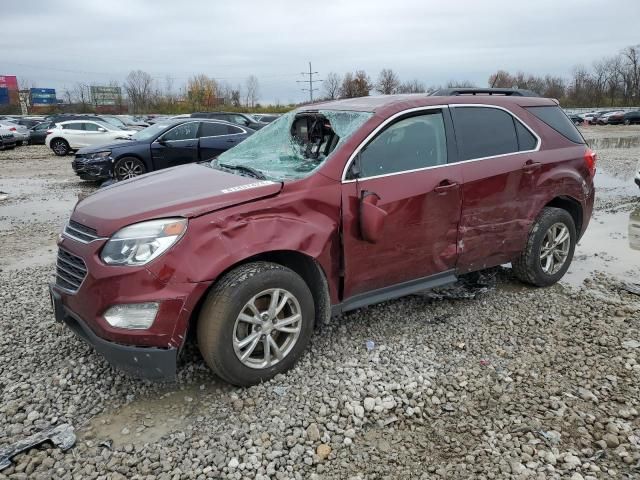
(57, 43)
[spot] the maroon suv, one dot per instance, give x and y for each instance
(332, 207)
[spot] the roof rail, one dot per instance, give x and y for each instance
(508, 92)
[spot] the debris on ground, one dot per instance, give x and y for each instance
(470, 285)
(62, 436)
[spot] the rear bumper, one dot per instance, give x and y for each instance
(142, 362)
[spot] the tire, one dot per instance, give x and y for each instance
(60, 147)
(129, 167)
(220, 327)
(528, 267)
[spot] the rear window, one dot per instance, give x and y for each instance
(558, 120)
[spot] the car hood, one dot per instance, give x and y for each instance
(110, 146)
(185, 191)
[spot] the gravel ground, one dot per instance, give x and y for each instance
(517, 383)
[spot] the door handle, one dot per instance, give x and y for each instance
(230, 141)
(445, 186)
(530, 166)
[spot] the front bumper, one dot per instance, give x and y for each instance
(93, 169)
(142, 362)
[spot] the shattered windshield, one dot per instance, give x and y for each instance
(292, 146)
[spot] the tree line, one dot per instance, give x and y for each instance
(610, 81)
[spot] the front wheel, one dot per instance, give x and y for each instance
(255, 323)
(549, 249)
(129, 167)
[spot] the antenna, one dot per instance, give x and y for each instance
(311, 81)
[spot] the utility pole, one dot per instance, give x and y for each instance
(311, 81)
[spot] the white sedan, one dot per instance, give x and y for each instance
(75, 134)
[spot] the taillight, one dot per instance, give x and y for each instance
(13, 129)
(49, 132)
(590, 159)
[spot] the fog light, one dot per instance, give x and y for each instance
(132, 315)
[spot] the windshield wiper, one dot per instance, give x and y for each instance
(245, 169)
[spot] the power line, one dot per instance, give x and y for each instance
(311, 81)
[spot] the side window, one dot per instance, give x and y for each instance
(526, 140)
(186, 131)
(43, 126)
(484, 132)
(231, 130)
(211, 129)
(73, 126)
(239, 119)
(558, 120)
(408, 144)
(91, 127)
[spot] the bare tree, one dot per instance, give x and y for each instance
(388, 82)
(413, 86)
(460, 84)
(355, 85)
(253, 91)
(202, 92)
(139, 87)
(331, 85)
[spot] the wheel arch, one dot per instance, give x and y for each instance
(572, 206)
(304, 265)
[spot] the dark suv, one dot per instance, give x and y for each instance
(332, 207)
(237, 118)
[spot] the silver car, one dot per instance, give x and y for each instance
(20, 132)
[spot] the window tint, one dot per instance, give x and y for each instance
(239, 119)
(484, 132)
(231, 130)
(558, 120)
(185, 131)
(526, 140)
(211, 129)
(409, 144)
(42, 126)
(91, 127)
(72, 126)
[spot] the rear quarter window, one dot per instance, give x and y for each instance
(558, 120)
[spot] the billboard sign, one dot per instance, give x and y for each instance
(43, 96)
(105, 95)
(9, 82)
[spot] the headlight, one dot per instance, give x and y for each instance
(99, 155)
(140, 243)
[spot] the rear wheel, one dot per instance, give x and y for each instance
(60, 147)
(129, 167)
(549, 249)
(255, 323)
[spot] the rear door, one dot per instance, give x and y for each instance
(405, 167)
(74, 134)
(215, 138)
(500, 165)
(95, 134)
(177, 146)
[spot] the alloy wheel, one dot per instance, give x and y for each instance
(129, 169)
(555, 248)
(59, 147)
(267, 328)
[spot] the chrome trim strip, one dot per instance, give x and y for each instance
(434, 107)
(67, 234)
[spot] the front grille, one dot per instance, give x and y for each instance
(70, 271)
(80, 232)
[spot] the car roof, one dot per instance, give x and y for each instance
(414, 100)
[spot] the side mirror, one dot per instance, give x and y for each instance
(372, 217)
(102, 130)
(161, 141)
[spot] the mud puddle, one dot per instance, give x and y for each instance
(608, 185)
(611, 245)
(147, 420)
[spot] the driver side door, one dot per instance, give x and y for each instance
(177, 146)
(406, 171)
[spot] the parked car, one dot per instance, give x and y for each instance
(611, 118)
(20, 132)
(38, 134)
(159, 146)
(330, 208)
(265, 117)
(576, 119)
(597, 115)
(7, 139)
(75, 134)
(241, 119)
(133, 122)
(28, 122)
(631, 118)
